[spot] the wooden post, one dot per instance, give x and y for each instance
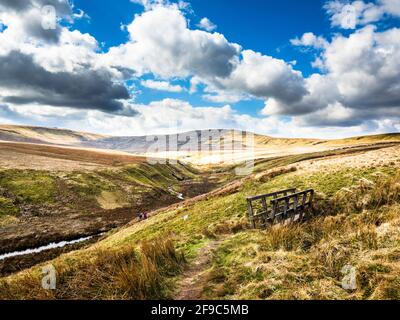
(310, 202)
(311, 198)
(295, 204)
(303, 206)
(265, 208)
(286, 208)
(273, 211)
(251, 214)
(281, 206)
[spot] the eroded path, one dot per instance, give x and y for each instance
(194, 278)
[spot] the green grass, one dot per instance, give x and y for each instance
(291, 262)
(29, 186)
(206, 217)
(89, 184)
(80, 189)
(306, 261)
(7, 208)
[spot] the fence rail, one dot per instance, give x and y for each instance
(285, 205)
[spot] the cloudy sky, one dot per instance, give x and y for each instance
(312, 68)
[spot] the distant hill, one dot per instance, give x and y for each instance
(45, 135)
(188, 143)
(139, 144)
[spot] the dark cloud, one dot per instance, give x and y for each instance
(87, 89)
(63, 7)
(384, 93)
(32, 20)
(17, 5)
(352, 117)
(33, 27)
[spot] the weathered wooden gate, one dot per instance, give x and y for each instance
(285, 205)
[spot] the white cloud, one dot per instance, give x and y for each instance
(349, 15)
(161, 43)
(162, 86)
(361, 81)
(151, 4)
(223, 96)
(309, 39)
(358, 87)
(264, 76)
(171, 116)
(391, 6)
(56, 66)
(207, 25)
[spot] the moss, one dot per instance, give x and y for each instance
(7, 207)
(29, 186)
(88, 184)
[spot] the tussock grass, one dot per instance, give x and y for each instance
(126, 273)
(367, 194)
(270, 174)
(306, 261)
(230, 226)
(299, 261)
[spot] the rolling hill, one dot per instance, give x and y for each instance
(45, 135)
(197, 147)
(202, 248)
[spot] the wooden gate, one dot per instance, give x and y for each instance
(276, 207)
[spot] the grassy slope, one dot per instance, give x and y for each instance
(82, 189)
(297, 262)
(390, 137)
(360, 228)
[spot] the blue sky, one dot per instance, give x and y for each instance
(314, 68)
(266, 26)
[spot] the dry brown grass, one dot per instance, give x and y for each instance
(126, 273)
(360, 227)
(364, 195)
(67, 155)
(226, 227)
(270, 174)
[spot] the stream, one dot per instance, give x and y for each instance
(53, 245)
(177, 194)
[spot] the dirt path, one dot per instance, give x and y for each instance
(194, 278)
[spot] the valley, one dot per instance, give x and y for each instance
(54, 193)
(196, 242)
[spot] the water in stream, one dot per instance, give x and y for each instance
(54, 245)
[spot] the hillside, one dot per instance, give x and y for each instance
(19, 155)
(45, 135)
(197, 147)
(52, 193)
(202, 247)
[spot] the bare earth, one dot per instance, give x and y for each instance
(194, 278)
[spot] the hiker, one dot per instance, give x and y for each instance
(145, 216)
(140, 216)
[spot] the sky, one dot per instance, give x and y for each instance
(312, 68)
